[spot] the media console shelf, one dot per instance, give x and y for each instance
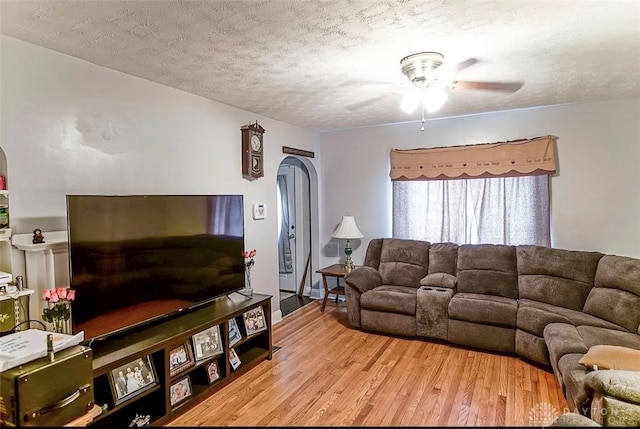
(171, 372)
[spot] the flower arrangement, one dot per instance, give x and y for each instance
(248, 263)
(58, 309)
(248, 258)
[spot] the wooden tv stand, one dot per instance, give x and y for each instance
(156, 342)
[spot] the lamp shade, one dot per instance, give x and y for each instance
(347, 229)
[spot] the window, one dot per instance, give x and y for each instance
(501, 210)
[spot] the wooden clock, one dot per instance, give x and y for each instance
(252, 151)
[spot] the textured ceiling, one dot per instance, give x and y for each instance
(323, 65)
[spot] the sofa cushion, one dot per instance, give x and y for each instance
(439, 280)
(556, 276)
(562, 339)
(403, 262)
(372, 257)
(443, 258)
(594, 336)
(616, 293)
(487, 309)
(611, 357)
(614, 305)
(390, 298)
(488, 269)
(389, 323)
(534, 316)
(481, 336)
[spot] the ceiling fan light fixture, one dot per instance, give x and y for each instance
(411, 99)
(433, 98)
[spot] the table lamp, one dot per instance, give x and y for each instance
(347, 230)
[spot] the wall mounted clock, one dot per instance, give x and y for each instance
(252, 151)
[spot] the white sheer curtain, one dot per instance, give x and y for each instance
(502, 210)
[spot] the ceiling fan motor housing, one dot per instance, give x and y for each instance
(418, 67)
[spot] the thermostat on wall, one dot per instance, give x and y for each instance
(259, 211)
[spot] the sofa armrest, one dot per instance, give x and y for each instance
(441, 280)
(620, 384)
(363, 279)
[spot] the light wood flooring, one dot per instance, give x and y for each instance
(327, 374)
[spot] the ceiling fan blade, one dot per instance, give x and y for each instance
(491, 86)
(364, 103)
(464, 64)
(366, 82)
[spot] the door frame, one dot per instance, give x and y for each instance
(311, 235)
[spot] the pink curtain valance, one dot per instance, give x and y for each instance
(526, 157)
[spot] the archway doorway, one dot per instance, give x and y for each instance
(294, 234)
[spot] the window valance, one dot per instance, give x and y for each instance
(526, 157)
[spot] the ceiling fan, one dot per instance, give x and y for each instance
(429, 82)
(428, 86)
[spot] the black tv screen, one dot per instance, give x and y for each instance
(136, 259)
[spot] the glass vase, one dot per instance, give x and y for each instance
(62, 326)
(248, 290)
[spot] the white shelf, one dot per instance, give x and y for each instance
(4, 192)
(52, 240)
(5, 234)
(16, 294)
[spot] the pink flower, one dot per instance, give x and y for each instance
(252, 253)
(71, 295)
(46, 294)
(245, 253)
(62, 293)
(54, 296)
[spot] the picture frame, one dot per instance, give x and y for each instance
(207, 343)
(180, 358)
(132, 378)
(234, 359)
(234, 332)
(254, 321)
(213, 372)
(180, 391)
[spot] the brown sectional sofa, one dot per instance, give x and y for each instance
(544, 304)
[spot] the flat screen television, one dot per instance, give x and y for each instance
(139, 259)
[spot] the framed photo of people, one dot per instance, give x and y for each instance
(207, 343)
(180, 391)
(234, 332)
(213, 372)
(132, 378)
(180, 358)
(234, 359)
(254, 320)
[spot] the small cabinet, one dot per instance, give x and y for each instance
(184, 360)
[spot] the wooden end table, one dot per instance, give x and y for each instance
(337, 271)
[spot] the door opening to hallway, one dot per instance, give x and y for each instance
(294, 235)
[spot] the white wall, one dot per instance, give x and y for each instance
(595, 195)
(69, 126)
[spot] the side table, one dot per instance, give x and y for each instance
(337, 271)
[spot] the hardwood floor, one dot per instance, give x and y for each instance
(327, 374)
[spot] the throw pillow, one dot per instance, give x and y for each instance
(611, 357)
(439, 280)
